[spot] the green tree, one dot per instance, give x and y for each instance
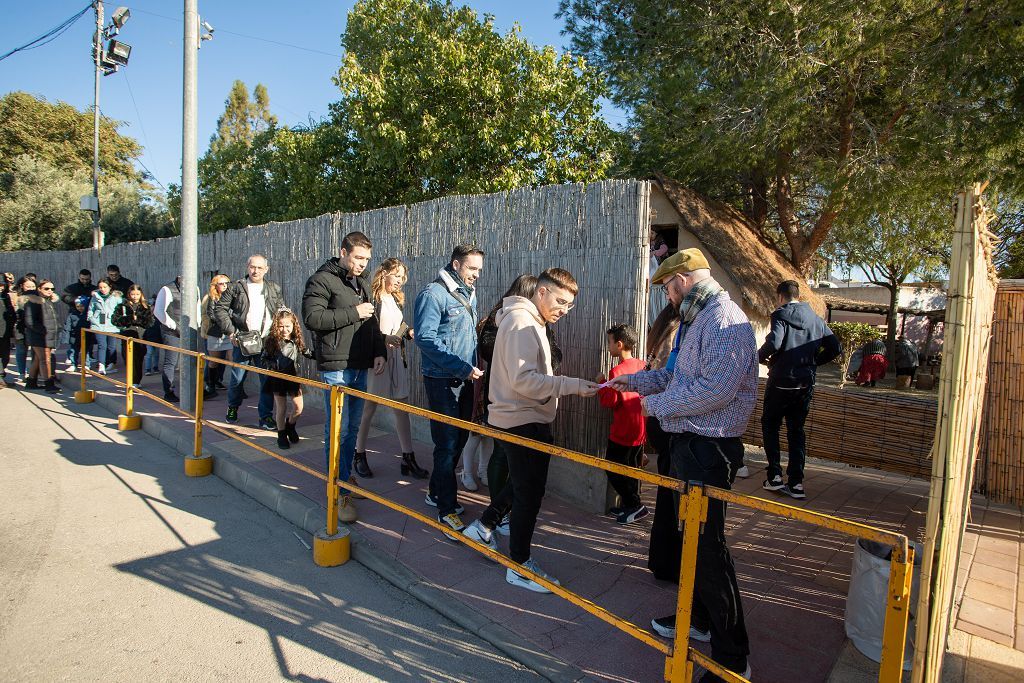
(897, 242)
(435, 102)
(851, 336)
(243, 118)
(796, 112)
(62, 136)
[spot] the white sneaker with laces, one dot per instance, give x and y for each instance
(743, 472)
(481, 534)
(516, 579)
(502, 527)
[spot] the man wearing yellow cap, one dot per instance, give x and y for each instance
(703, 399)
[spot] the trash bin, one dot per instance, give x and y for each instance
(866, 599)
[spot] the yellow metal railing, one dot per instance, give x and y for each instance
(693, 506)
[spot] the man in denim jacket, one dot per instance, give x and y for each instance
(445, 324)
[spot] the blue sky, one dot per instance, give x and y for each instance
(147, 94)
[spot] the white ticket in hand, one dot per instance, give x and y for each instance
(605, 385)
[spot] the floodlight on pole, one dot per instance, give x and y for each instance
(118, 52)
(120, 16)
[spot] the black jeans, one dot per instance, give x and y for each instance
(716, 595)
(455, 399)
(528, 471)
(793, 406)
(628, 488)
(138, 355)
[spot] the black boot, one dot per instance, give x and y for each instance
(362, 467)
(32, 383)
(293, 435)
(282, 439)
(411, 468)
(51, 386)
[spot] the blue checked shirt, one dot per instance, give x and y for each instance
(713, 387)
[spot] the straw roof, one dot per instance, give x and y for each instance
(753, 263)
(838, 303)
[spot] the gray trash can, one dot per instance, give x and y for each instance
(866, 599)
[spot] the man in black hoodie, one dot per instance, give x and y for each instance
(337, 308)
(799, 341)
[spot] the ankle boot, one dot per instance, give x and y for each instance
(362, 467)
(282, 439)
(51, 386)
(289, 428)
(31, 383)
(410, 468)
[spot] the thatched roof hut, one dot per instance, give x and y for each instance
(742, 260)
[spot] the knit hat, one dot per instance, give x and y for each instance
(685, 261)
(82, 301)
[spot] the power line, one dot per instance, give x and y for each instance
(50, 35)
(142, 126)
(245, 35)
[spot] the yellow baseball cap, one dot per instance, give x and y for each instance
(685, 261)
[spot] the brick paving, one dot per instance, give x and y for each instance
(793, 576)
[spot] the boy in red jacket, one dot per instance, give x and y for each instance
(628, 431)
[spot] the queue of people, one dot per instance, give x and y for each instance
(687, 397)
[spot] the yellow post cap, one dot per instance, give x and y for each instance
(685, 261)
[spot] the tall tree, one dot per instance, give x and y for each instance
(435, 101)
(243, 118)
(796, 112)
(62, 136)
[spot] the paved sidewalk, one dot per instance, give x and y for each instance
(115, 567)
(793, 576)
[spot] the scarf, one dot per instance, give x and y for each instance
(693, 303)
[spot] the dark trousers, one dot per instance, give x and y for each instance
(791, 405)
(528, 472)
(138, 355)
(497, 477)
(716, 595)
(5, 354)
(455, 399)
(628, 488)
(666, 544)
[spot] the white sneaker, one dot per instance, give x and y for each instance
(743, 472)
(516, 579)
(102, 369)
(468, 482)
(481, 534)
(502, 527)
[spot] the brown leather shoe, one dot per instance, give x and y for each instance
(357, 496)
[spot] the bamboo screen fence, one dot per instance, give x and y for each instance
(957, 435)
(886, 431)
(1000, 470)
(597, 231)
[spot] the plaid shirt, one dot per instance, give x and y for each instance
(713, 387)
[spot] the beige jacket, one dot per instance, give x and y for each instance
(523, 389)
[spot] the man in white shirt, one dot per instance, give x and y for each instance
(167, 310)
(249, 304)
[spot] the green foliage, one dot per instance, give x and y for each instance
(243, 119)
(1008, 228)
(62, 137)
(852, 336)
(799, 112)
(435, 102)
(39, 208)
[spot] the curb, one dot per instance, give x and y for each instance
(310, 517)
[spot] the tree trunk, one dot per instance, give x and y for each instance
(890, 322)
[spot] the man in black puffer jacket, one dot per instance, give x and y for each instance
(799, 341)
(337, 309)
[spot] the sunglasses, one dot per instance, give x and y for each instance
(46, 289)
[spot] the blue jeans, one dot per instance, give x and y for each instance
(351, 415)
(443, 398)
(235, 379)
(21, 357)
(105, 349)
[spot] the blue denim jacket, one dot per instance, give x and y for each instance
(445, 331)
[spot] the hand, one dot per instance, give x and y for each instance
(643, 409)
(587, 388)
(600, 379)
(620, 383)
(411, 333)
(476, 374)
(378, 365)
(391, 341)
(365, 310)
(233, 338)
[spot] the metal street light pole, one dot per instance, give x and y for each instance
(188, 325)
(97, 55)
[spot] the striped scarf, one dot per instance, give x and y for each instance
(693, 303)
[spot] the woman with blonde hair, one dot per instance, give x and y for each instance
(393, 381)
(41, 330)
(218, 345)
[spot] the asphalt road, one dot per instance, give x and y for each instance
(115, 566)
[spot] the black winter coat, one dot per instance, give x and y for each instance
(230, 310)
(340, 339)
(39, 321)
(8, 315)
(132, 318)
(799, 341)
(75, 290)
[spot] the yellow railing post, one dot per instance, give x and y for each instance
(897, 613)
(331, 546)
(83, 395)
(693, 510)
(197, 464)
(129, 421)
